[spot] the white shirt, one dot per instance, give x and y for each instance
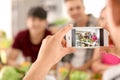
(79, 58)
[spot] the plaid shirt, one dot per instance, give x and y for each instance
(92, 22)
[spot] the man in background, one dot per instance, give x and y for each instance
(76, 11)
(29, 41)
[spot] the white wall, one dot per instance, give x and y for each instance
(94, 6)
(5, 17)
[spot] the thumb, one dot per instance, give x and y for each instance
(69, 50)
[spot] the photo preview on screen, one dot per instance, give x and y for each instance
(87, 37)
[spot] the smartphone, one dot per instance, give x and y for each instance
(87, 37)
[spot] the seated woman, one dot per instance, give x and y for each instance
(105, 57)
(94, 37)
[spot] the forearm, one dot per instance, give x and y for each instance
(98, 67)
(86, 66)
(12, 57)
(38, 71)
(12, 63)
(49, 55)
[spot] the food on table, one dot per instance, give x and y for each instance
(97, 76)
(5, 43)
(63, 72)
(2, 34)
(3, 57)
(79, 75)
(9, 73)
(25, 66)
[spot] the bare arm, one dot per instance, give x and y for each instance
(97, 65)
(38, 70)
(12, 57)
(49, 55)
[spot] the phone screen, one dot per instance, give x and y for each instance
(87, 37)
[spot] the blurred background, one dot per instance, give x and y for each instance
(13, 19)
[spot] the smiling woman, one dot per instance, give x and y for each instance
(5, 17)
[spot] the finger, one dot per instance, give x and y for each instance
(69, 50)
(60, 35)
(43, 44)
(105, 26)
(48, 37)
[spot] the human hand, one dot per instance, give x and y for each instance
(52, 50)
(53, 47)
(113, 18)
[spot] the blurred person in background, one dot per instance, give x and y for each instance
(76, 10)
(39, 71)
(45, 61)
(53, 28)
(29, 41)
(113, 18)
(105, 57)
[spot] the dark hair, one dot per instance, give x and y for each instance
(37, 12)
(73, 0)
